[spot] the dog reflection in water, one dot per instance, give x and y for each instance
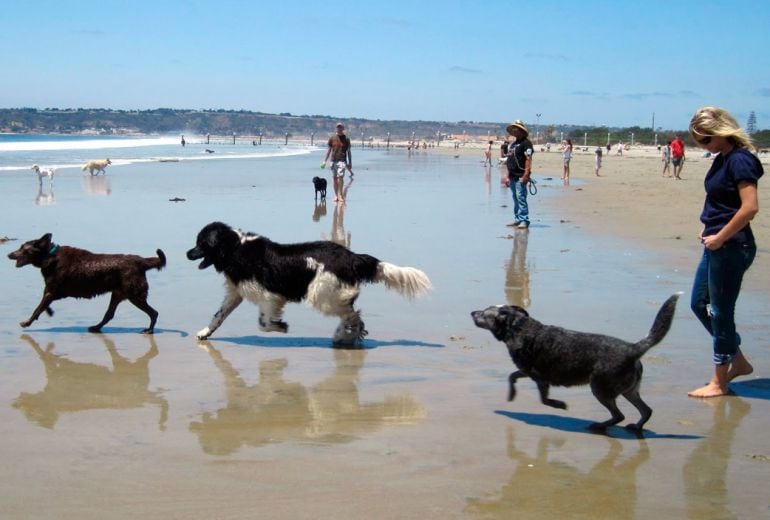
(275, 410)
(72, 386)
(95, 185)
(44, 198)
(544, 486)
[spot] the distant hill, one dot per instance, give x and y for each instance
(224, 122)
(245, 123)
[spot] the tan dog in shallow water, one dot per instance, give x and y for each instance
(97, 166)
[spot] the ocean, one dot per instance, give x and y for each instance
(21, 151)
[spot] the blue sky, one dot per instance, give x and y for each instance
(589, 62)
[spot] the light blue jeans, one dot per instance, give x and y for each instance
(714, 293)
(520, 207)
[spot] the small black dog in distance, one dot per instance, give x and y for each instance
(320, 187)
(70, 272)
(556, 356)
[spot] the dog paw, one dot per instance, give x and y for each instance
(148, 331)
(274, 326)
(95, 328)
(203, 334)
(554, 403)
(26, 323)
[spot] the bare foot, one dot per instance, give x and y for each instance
(739, 367)
(710, 390)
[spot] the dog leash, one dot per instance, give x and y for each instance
(532, 187)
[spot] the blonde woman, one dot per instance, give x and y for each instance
(728, 242)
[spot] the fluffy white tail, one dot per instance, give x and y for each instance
(408, 281)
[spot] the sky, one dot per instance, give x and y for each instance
(613, 63)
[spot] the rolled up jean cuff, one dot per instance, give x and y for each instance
(723, 359)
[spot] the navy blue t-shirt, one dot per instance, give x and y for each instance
(518, 153)
(722, 196)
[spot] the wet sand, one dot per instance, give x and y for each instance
(415, 424)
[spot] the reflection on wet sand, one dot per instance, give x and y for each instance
(338, 227)
(319, 210)
(275, 410)
(75, 387)
(96, 185)
(517, 272)
(44, 198)
(540, 488)
(705, 472)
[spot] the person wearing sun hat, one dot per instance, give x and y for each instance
(519, 166)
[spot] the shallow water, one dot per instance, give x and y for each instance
(415, 424)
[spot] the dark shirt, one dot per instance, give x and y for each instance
(722, 197)
(339, 145)
(518, 153)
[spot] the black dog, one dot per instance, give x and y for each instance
(320, 187)
(324, 274)
(77, 273)
(556, 356)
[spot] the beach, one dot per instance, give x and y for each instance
(413, 425)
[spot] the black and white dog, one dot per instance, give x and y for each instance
(324, 274)
(320, 187)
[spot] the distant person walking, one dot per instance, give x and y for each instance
(598, 164)
(728, 241)
(566, 152)
(342, 159)
(488, 154)
(665, 156)
(519, 166)
(183, 141)
(677, 156)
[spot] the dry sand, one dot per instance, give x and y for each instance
(415, 425)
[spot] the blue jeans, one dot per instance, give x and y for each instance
(715, 291)
(520, 207)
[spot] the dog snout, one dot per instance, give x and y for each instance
(194, 254)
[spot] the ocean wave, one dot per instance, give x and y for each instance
(280, 152)
(84, 144)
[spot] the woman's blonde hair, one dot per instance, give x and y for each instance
(715, 121)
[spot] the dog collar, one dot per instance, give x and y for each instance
(54, 248)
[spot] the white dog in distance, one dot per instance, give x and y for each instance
(43, 172)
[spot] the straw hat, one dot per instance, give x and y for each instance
(517, 124)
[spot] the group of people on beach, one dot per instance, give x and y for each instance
(729, 246)
(731, 203)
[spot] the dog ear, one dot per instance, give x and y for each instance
(513, 316)
(45, 240)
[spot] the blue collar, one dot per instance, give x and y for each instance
(54, 248)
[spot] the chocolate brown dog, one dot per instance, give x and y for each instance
(77, 273)
(555, 356)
